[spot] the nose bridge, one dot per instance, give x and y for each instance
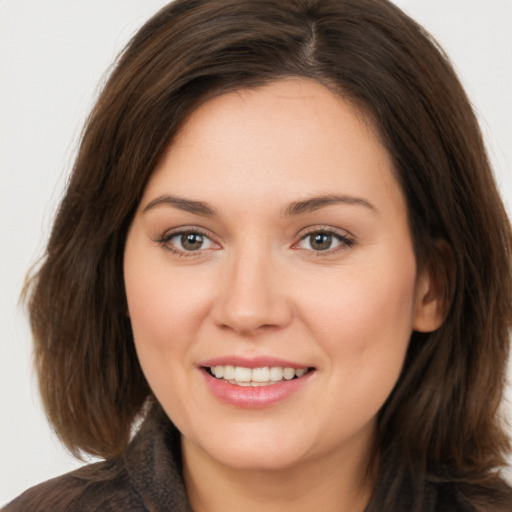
(251, 297)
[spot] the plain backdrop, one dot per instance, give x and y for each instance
(53, 56)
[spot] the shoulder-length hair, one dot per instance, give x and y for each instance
(441, 420)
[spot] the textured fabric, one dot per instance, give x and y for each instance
(146, 478)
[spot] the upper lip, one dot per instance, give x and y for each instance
(252, 362)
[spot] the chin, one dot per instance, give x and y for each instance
(255, 458)
(255, 449)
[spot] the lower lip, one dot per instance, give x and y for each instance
(257, 397)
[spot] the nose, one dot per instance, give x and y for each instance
(252, 297)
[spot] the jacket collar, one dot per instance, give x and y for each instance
(154, 465)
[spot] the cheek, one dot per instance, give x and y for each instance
(155, 313)
(164, 312)
(363, 303)
(148, 305)
(164, 305)
(364, 321)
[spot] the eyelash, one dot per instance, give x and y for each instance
(345, 241)
(164, 241)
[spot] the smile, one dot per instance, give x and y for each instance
(264, 376)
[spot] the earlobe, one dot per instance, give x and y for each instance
(434, 289)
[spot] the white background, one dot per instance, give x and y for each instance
(53, 55)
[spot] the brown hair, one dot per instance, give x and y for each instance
(441, 420)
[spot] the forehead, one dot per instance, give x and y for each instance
(290, 138)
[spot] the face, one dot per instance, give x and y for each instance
(271, 280)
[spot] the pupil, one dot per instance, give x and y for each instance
(191, 241)
(322, 241)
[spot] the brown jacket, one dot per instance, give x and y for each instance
(146, 477)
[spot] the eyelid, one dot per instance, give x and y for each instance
(182, 230)
(347, 240)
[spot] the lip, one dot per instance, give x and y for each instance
(253, 362)
(249, 397)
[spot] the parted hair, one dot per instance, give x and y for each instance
(442, 420)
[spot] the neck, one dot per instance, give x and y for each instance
(338, 482)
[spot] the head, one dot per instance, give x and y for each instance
(378, 61)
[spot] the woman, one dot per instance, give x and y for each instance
(282, 247)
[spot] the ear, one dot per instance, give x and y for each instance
(434, 288)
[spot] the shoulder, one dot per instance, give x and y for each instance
(99, 486)
(147, 475)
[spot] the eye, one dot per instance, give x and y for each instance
(187, 241)
(323, 241)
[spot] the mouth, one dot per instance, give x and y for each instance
(255, 377)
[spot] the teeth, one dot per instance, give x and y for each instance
(260, 374)
(276, 373)
(255, 376)
(229, 372)
(289, 373)
(243, 374)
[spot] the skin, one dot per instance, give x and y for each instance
(258, 286)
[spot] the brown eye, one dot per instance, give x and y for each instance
(321, 241)
(189, 241)
(324, 241)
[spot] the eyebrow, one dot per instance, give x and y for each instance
(296, 208)
(188, 205)
(315, 203)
